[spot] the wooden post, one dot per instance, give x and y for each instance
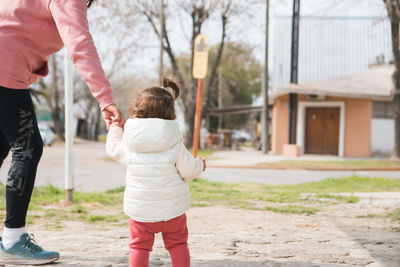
(197, 118)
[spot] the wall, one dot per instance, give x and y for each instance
(280, 124)
(357, 135)
(382, 137)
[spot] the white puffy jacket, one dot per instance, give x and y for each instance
(158, 164)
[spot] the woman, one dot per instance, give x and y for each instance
(30, 31)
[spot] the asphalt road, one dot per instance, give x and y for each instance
(94, 171)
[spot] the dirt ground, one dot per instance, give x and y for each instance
(221, 236)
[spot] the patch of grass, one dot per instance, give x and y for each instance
(205, 153)
(348, 199)
(79, 209)
(120, 189)
(102, 138)
(295, 209)
(46, 195)
(282, 199)
(395, 215)
(50, 214)
(105, 198)
(96, 218)
(370, 216)
(249, 196)
(100, 218)
(348, 164)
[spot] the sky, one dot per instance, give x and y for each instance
(248, 29)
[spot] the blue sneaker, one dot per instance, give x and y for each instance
(26, 251)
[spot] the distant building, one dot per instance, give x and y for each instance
(348, 116)
(344, 105)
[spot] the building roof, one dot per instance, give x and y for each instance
(375, 83)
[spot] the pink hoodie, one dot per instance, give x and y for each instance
(32, 30)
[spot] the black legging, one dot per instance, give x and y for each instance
(19, 133)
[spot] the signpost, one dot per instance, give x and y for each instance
(200, 63)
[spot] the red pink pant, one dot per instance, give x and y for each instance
(175, 236)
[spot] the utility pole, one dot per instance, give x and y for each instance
(162, 34)
(265, 145)
(220, 100)
(69, 135)
(294, 70)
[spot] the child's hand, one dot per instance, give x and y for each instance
(118, 124)
(204, 163)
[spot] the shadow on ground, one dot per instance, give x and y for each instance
(383, 245)
(123, 262)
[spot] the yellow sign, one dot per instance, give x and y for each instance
(200, 61)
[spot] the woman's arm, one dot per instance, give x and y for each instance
(188, 166)
(71, 19)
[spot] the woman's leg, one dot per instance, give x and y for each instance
(175, 236)
(19, 126)
(140, 243)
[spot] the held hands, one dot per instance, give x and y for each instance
(112, 114)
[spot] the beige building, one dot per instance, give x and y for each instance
(337, 116)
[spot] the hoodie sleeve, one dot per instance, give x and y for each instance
(71, 20)
(114, 146)
(188, 166)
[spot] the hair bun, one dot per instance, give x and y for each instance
(169, 83)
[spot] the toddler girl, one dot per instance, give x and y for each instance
(158, 165)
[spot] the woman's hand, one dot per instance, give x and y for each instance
(112, 114)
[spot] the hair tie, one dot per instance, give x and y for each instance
(162, 87)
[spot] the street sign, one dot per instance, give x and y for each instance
(200, 61)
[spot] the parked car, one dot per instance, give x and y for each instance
(46, 133)
(241, 136)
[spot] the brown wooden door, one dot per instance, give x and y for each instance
(322, 131)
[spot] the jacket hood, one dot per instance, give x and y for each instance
(151, 135)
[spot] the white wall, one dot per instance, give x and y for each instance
(382, 136)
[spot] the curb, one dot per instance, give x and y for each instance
(299, 168)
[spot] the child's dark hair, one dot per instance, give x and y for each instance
(90, 2)
(157, 102)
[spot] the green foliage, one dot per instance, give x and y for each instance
(241, 82)
(240, 72)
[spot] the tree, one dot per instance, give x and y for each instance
(241, 83)
(198, 11)
(53, 92)
(393, 10)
